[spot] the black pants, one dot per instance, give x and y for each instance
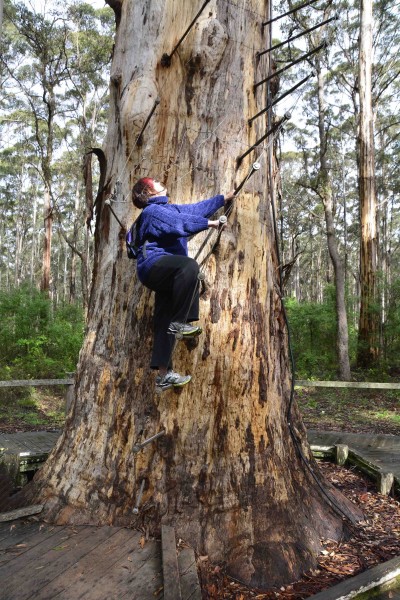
(174, 280)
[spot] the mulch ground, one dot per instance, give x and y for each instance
(376, 540)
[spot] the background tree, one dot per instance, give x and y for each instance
(55, 127)
(369, 313)
(319, 180)
(342, 110)
(228, 472)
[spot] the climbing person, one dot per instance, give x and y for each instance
(163, 265)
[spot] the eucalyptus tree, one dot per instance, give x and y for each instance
(342, 120)
(305, 25)
(231, 469)
(55, 96)
(85, 105)
(369, 313)
(38, 79)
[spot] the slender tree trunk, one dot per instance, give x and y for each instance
(325, 190)
(48, 230)
(85, 270)
(367, 353)
(33, 240)
(72, 278)
(227, 473)
(1, 246)
(18, 252)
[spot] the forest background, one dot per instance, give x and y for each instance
(54, 75)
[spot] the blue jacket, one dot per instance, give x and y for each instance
(165, 228)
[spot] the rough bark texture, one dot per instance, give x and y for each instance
(369, 315)
(226, 473)
(342, 333)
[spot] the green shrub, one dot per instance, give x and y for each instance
(36, 341)
(313, 336)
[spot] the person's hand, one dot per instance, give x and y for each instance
(214, 224)
(229, 196)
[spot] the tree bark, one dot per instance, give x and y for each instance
(325, 190)
(367, 352)
(227, 473)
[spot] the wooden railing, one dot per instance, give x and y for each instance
(298, 383)
(36, 382)
(348, 384)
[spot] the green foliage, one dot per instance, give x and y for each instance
(313, 336)
(391, 331)
(35, 341)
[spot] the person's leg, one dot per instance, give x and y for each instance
(185, 291)
(174, 279)
(178, 276)
(163, 343)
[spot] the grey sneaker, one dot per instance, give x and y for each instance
(171, 379)
(184, 329)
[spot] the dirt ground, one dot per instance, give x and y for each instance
(359, 411)
(32, 409)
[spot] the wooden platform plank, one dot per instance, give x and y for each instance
(368, 581)
(190, 585)
(13, 515)
(172, 588)
(117, 581)
(382, 450)
(36, 442)
(94, 565)
(59, 559)
(7, 529)
(147, 584)
(19, 533)
(35, 560)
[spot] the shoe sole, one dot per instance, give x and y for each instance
(160, 389)
(181, 335)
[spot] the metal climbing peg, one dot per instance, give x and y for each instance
(201, 276)
(108, 203)
(137, 447)
(222, 220)
(139, 498)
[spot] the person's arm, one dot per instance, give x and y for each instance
(206, 208)
(166, 222)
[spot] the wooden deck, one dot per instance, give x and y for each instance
(32, 442)
(40, 561)
(21, 454)
(382, 450)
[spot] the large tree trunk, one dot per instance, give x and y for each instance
(226, 473)
(369, 315)
(325, 189)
